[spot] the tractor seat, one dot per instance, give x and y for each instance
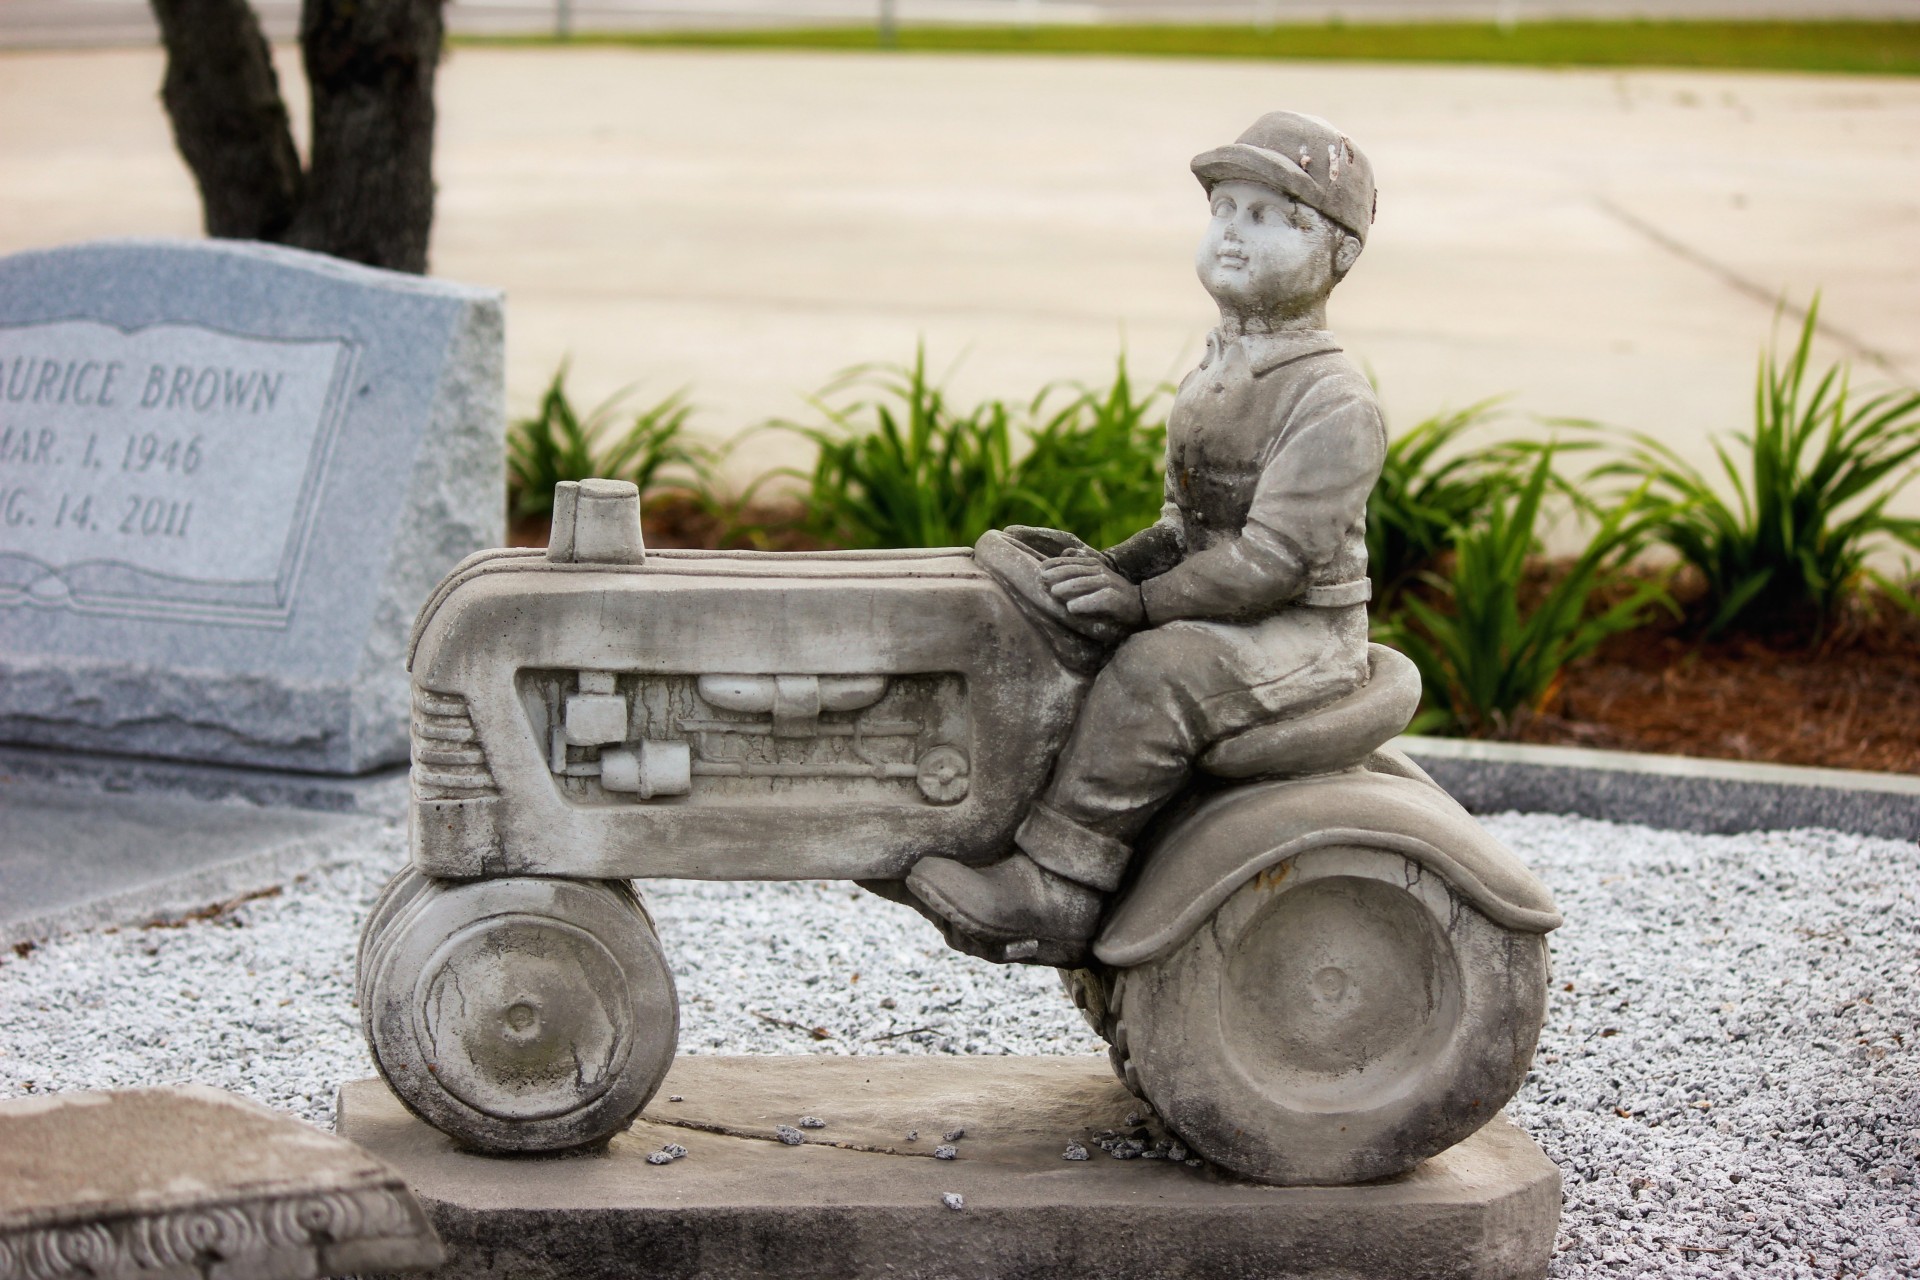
(1335, 736)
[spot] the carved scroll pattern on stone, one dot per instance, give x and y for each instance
(286, 1236)
(903, 739)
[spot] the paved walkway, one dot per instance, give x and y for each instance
(1590, 244)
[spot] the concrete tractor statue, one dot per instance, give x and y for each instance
(1161, 768)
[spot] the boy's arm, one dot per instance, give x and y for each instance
(1311, 495)
(1153, 550)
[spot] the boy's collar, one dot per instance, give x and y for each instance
(1266, 352)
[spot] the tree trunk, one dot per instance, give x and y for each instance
(370, 67)
(228, 118)
(367, 194)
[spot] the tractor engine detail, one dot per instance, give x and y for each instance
(620, 738)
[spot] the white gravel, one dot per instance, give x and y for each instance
(1725, 1078)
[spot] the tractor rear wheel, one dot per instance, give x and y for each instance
(1340, 1018)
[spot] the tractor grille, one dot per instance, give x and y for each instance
(448, 761)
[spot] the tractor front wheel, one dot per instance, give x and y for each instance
(517, 1015)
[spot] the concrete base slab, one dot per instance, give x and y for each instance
(857, 1197)
(75, 858)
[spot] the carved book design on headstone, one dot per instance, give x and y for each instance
(1161, 768)
(158, 452)
(228, 474)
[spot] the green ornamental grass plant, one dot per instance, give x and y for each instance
(1902, 589)
(1488, 661)
(900, 466)
(1096, 466)
(558, 443)
(1427, 490)
(1430, 488)
(1810, 486)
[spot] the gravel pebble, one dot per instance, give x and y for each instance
(946, 1151)
(789, 1135)
(954, 1135)
(1075, 1152)
(953, 1200)
(812, 1122)
(1728, 1078)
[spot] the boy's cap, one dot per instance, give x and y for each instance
(1301, 156)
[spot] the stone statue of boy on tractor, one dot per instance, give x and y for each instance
(1159, 767)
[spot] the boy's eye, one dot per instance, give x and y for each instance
(1222, 207)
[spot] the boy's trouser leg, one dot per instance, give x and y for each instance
(1167, 695)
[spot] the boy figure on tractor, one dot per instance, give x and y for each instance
(1246, 602)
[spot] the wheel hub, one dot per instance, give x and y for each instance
(523, 1017)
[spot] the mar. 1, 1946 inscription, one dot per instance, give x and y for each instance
(170, 472)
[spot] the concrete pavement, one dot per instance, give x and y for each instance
(1591, 244)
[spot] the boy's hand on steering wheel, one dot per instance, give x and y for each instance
(1090, 588)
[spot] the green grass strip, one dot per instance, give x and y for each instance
(1876, 48)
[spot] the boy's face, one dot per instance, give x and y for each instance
(1265, 252)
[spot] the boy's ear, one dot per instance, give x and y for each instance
(1345, 254)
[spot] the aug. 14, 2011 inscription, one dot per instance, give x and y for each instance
(134, 467)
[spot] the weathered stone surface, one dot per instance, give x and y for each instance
(741, 1203)
(229, 473)
(190, 1183)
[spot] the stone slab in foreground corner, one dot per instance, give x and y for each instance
(742, 1204)
(191, 1183)
(229, 474)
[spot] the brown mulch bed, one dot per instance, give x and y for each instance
(1847, 700)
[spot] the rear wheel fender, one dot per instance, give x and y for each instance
(1195, 867)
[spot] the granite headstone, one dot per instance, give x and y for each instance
(229, 475)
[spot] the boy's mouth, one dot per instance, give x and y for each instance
(1231, 258)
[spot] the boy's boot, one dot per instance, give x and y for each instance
(1019, 908)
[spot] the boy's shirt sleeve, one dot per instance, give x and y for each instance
(1156, 548)
(1311, 495)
